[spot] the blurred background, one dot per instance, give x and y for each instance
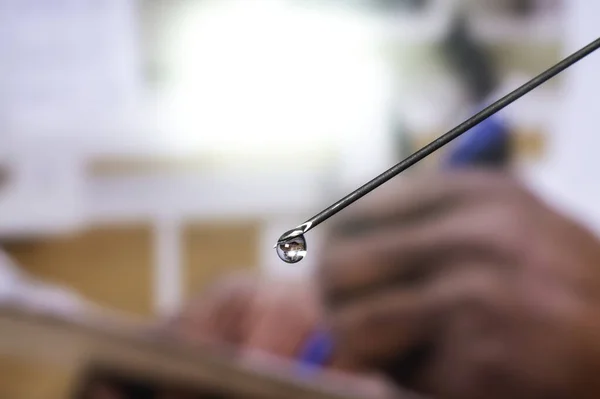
(147, 147)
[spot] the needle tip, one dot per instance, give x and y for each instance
(288, 235)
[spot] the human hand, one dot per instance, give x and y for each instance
(467, 286)
(253, 315)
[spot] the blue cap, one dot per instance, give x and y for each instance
(317, 351)
(486, 144)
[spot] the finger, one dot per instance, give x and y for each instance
(221, 315)
(231, 319)
(409, 200)
(491, 233)
(389, 322)
(104, 391)
(281, 324)
(277, 337)
(390, 325)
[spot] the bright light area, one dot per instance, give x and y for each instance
(269, 79)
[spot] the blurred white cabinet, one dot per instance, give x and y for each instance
(67, 66)
(574, 166)
(69, 77)
(43, 190)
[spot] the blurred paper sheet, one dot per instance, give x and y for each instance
(103, 350)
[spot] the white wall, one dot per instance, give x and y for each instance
(571, 177)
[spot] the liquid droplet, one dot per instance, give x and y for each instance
(292, 250)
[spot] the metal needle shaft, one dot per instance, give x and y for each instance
(442, 141)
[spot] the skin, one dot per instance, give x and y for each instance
(465, 285)
(267, 321)
(218, 316)
(255, 318)
(252, 315)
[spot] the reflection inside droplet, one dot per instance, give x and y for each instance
(292, 250)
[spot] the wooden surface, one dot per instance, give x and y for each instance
(110, 265)
(26, 379)
(114, 265)
(128, 351)
(211, 250)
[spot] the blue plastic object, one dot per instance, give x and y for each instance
(317, 351)
(486, 144)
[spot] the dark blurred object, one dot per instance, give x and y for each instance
(409, 5)
(4, 177)
(469, 60)
(519, 8)
(523, 7)
(488, 145)
(402, 138)
(109, 384)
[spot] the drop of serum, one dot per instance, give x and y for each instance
(292, 250)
